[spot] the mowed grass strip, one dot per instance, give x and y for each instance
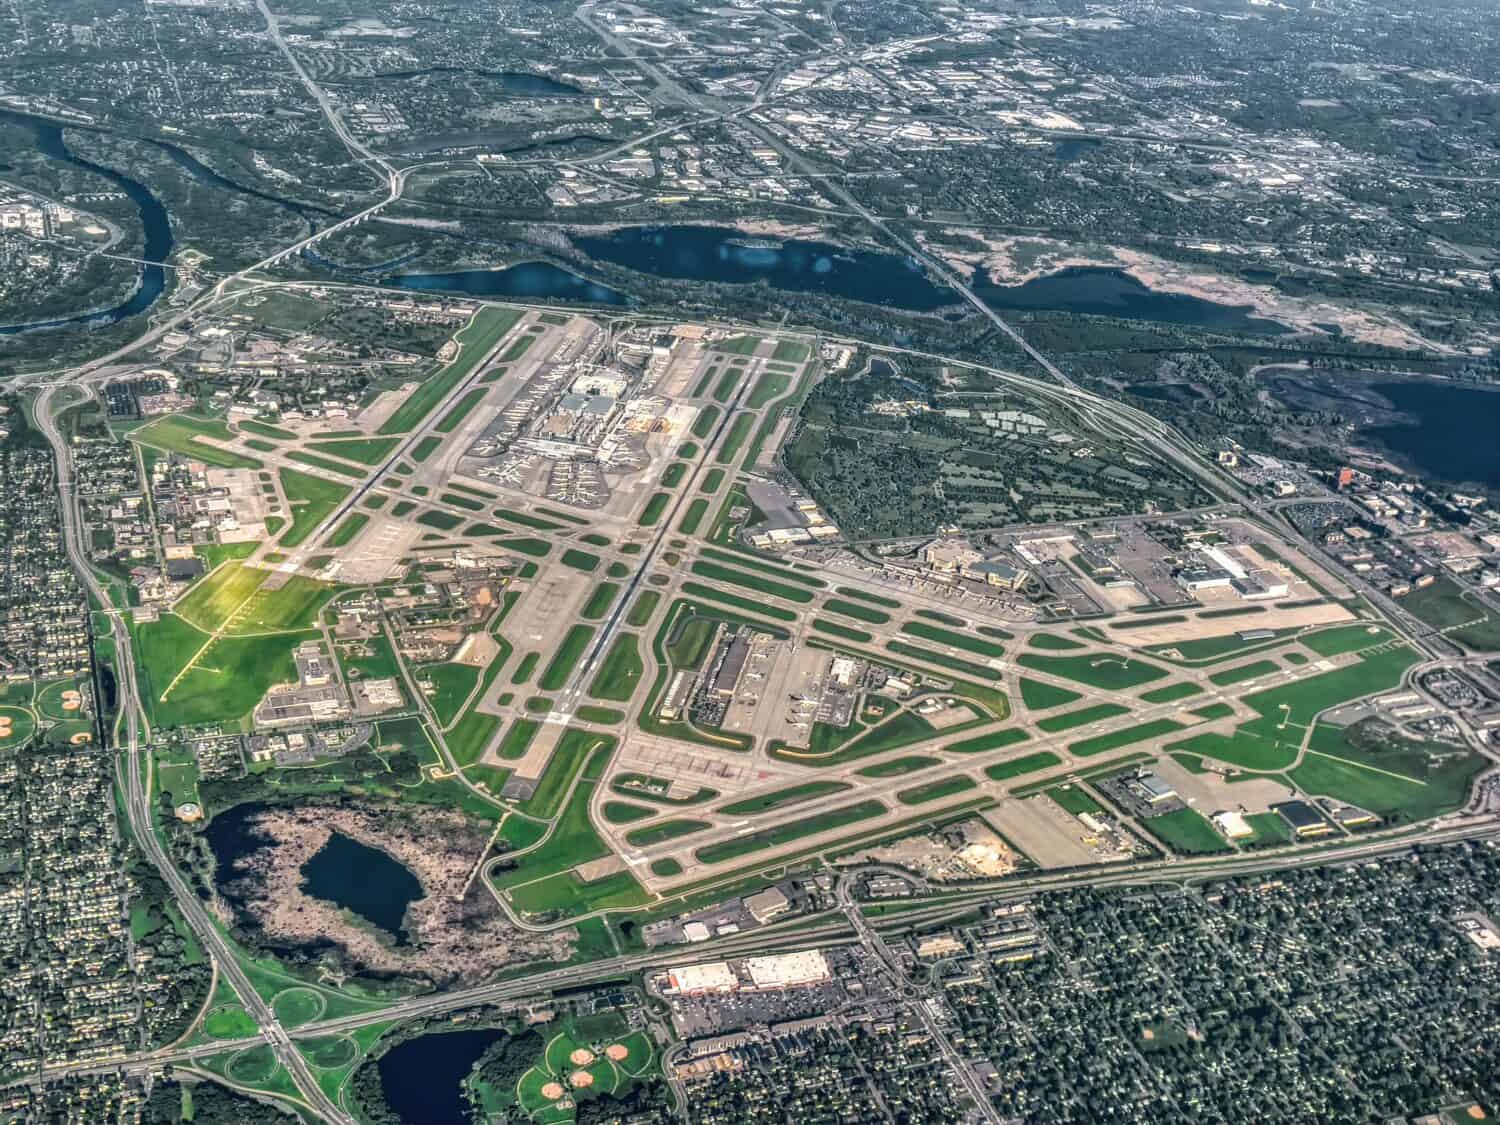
(214, 599)
(784, 798)
(621, 671)
(1016, 767)
(856, 611)
(866, 596)
(326, 464)
(833, 628)
(312, 499)
(965, 641)
(652, 513)
(758, 583)
(566, 658)
(179, 433)
(1156, 728)
(664, 830)
(790, 832)
(367, 451)
(765, 566)
(734, 440)
(475, 341)
(600, 600)
(936, 790)
(943, 660)
(994, 740)
(1081, 717)
(346, 531)
(714, 594)
(1107, 671)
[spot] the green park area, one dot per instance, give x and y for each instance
(583, 1061)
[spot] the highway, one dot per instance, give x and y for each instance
(133, 768)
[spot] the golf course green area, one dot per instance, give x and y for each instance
(936, 790)
(179, 433)
(964, 641)
(621, 671)
(783, 798)
(475, 340)
(1186, 832)
(665, 830)
(367, 451)
(312, 500)
(1039, 696)
(1081, 717)
(757, 583)
(789, 832)
(1107, 671)
(1016, 767)
(1156, 728)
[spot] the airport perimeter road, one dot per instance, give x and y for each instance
(136, 787)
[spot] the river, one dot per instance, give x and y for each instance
(525, 281)
(154, 222)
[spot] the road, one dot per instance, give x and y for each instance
(133, 768)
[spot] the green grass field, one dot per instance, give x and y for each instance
(936, 790)
(663, 831)
(783, 798)
(367, 451)
(754, 582)
(734, 440)
(747, 604)
(1171, 693)
(1156, 728)
(1081, 717)
(1016, 767)
(1242, 672)
(620, 672)
(566, 658)
(899, 767)
(599, 601)
(215, 598)
(1185, 831)
(475, 340)
(965, 641)
(789, 832)
(1039, 696)
(1112, 673)
(179, 433)
(994, 740)
(312, 500)
(855, 610)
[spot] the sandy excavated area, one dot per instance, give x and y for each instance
(999, 260)
(448, 942)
